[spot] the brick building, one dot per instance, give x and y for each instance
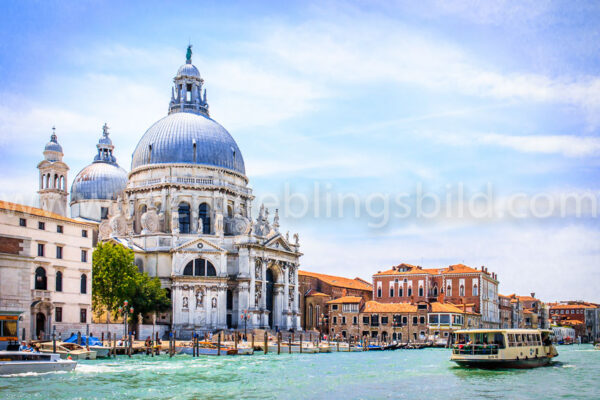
(317, 289)
(459, 283)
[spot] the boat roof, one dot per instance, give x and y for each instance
(502, 330)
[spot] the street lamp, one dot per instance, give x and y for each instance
(125, 311)
(245, 317)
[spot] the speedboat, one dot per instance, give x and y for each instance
(324, 348)
(503, 348)
(244, 349)
(19, 362)
(205, 348)
(101, 351)
(75, 351)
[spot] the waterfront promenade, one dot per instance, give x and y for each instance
(409, 374)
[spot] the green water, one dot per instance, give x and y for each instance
(401, 374)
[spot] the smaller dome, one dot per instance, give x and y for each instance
(99, 181)
(188, 70)
(53, 145)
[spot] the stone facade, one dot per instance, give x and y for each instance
(44, 272)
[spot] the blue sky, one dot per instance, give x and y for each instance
(373, 99)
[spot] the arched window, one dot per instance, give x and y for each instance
(204, 213)
(47, 181)
(420, 291)
(400, 291)
(199, 267)
(62, 182)
(184, 218)
(41, 282)
(475, 292)
(83, 288)
(461, 290)
(435, 290)
(55, 181)
(318, 314)
(449, 291)
(410, 290)
(59, 279)
(310, 316)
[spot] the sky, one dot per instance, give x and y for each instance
(431, 133)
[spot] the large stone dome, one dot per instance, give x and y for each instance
(99, 181)
(188, 138)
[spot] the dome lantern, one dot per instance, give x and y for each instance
(187, 94)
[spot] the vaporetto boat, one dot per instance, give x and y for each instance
(503, 348)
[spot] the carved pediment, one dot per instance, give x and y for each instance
(278, 243)
(198, 245)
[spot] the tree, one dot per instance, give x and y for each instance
(115, 278)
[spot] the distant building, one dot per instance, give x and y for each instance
(317, 289)
(459, 284)
(45, 269)
(529, 312)
(506, 312)
(583, 317)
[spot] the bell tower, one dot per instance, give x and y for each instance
(53, 178)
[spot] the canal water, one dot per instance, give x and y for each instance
(401, 374)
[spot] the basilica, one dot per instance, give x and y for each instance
(185, 209)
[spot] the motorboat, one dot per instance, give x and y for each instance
(503, 348)
(324, 348)
(205, 348)
(19, 362)
(75, 351)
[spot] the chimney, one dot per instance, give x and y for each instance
(451, 268)
(533, 295)
(482, 268)
(440, 297)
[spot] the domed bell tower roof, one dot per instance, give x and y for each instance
(187, 94)
(53, 151)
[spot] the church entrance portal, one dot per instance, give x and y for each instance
(270, 287)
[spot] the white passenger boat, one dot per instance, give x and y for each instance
(65, 350)
(19, 362)
(503, 348)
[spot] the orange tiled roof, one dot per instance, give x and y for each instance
(346, 300)
(570, 306)
(438, 307)
(339, 281)
(375, 307)
(313, 292)
(412, 270)
(459, 269)
(14, 207)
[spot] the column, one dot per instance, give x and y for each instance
(286, 287)
(252, 263)
(296, 306)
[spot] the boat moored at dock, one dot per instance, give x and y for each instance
(503, 348)
(75, 351)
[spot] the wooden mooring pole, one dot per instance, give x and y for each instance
(300, 343)
(278, 342)
(219, 344)
(290, 344)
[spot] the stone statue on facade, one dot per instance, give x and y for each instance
(185, 302)
(199, 298)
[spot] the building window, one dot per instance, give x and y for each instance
(475, 292)
(184, 217)
(378, 292)
(400, 292)
(310, 316)
(421, 291)
(83, 315)
(40, 279)
(84, 233)
(355, 320)
(461, 290)
(204, 213)
(199, 267)
(422, 320)
(449, 291)
(22, 222)
(405, 320)
(391, 291)
(58, 314)
(366, 320)
(103, 212)
(409, 291)
(83, 255)
(59, 229)
(384, 320)
(40, 250)
(83, 287)
(41, 225)
(415, 320)
(59, 252)
(435, 291)
(343, 320)
(334, 320)
(59, 279)
(334, 307)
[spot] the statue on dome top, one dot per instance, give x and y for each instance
(188, 54)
